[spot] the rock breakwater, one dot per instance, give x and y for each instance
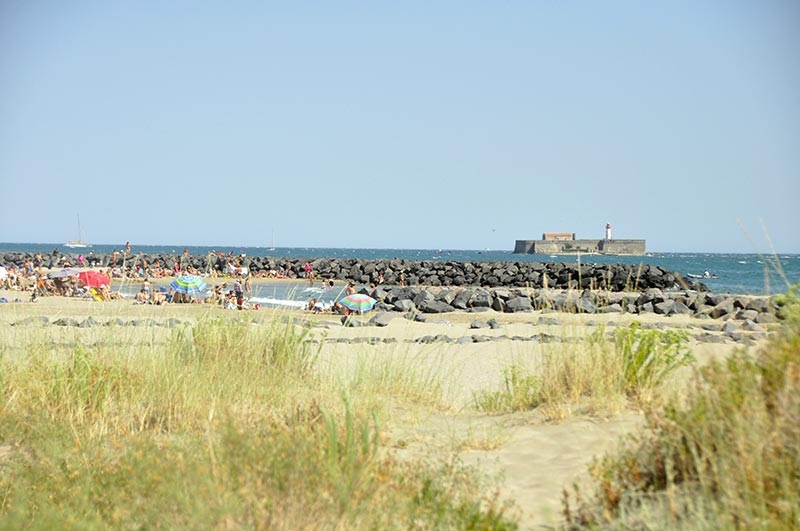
(553, 275)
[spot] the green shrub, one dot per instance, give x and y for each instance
(595, 374)
(649, 357)
(726, 454)
(521, 391)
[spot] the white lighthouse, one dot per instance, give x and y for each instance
(608, 231)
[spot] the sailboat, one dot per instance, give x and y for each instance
(78, 244)
(272, 247)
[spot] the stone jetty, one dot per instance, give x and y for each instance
(554, 275)
(435, 287)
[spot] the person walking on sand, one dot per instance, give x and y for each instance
(248, 288)
(309, 273)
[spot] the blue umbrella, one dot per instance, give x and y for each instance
(189, 284)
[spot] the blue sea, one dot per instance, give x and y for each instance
(735, 273)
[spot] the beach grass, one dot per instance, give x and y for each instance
(217, 423)
(599, 375)
(722, 455)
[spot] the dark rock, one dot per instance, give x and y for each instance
(435, 306)
(404, 305)
(382, 319)
(751, 326)
(478, 324)
(481, 299)
(761, 305)
(744, 315)
(725, 307)
(584, 305)
(519, 304)
(729, 327)
(766, 318)
(462, 300)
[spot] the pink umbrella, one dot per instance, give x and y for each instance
(93, 279)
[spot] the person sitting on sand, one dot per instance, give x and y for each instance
(351, 288)
(158, 297)
(141, 297)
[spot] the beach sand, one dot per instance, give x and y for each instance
(537, 458)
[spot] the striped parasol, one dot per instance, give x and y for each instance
(358, 302)
(189, 284)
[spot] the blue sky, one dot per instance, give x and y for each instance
(451, 124)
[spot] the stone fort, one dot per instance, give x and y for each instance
(566, 243)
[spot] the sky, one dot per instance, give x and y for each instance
(415, 124)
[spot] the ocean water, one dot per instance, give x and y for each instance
(735, 273)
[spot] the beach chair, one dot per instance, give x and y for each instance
(96, 295)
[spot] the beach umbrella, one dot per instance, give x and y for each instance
(189, 284)
(66, 272)
(358, 302)
(93, 279)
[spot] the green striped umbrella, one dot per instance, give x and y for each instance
(189, 284)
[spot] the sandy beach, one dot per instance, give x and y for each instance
(537, 457)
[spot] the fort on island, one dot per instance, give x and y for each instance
(566, 243)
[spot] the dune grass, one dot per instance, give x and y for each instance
(724, 455)
(597, 375)
(217, 424)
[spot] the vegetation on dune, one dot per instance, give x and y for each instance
(723, 456)
(226, 425)
(234, 424)
(599, 375)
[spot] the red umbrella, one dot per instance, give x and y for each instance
(93, 279)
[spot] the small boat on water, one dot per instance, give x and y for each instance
(79, 243)
(704, 276)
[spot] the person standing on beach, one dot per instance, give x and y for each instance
(239, 294)
(309, 273)
(248, 288)
(185, 259)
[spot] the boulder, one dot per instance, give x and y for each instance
(766, 318)
(726, 307)
(462, 299)
(382, 319)
(584, 305)
(435, 306)
(404, 305)
(519, 304)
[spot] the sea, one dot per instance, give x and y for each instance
(751, 273)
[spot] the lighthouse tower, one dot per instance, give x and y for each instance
(608, 231)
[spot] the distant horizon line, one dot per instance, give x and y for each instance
(439, 249)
